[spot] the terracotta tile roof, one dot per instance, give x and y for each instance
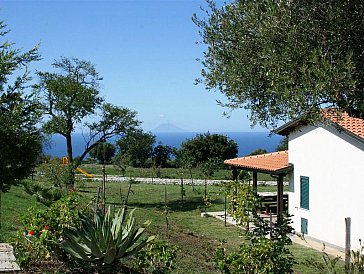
(354, 126)
(351, 124)
(269, 162)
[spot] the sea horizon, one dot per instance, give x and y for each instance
(246, 141)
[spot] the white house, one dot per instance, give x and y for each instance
(326, 177)
(327, 182)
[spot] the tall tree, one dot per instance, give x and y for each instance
(70, 98)
(137, 147)
(20, 140)
(284, 59)
(206, 146)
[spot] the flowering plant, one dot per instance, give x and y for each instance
(31, 233)
(42, 230)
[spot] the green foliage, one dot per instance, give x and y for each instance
(104, 239)
(258, 152)
(261, 256)
(103, 152)
(158, 257)
(42, 230)
(327, 265)
(70, 95)
(244, 202)
(20, 140)
(204, 147)
(330, 265)
(161, 155)
(283, 144)
(210, 166)
(43, 194)
(285, 59)
(357, 260)
(55, 172)
(121, 163)
(54, 186)
(260, 253)
(136, 147)
(265, 247)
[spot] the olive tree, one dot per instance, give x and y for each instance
(285, 59)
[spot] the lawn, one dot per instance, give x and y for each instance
(196, 237)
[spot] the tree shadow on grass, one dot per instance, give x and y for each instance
(187, 205)
(190, 204)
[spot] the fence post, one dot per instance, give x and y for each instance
(225, 207)
(96, 202)
(347, 243)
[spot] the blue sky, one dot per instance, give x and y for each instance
(144, 50)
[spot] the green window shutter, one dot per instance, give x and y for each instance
(305, 192)
(304, 223)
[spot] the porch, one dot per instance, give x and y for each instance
(276, 165)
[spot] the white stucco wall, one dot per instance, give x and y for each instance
(334, 163)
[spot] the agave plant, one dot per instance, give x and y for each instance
(105, 239)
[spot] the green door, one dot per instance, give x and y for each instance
(304, 223)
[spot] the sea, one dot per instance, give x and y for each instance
(246, 141)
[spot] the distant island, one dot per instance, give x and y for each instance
(168, 127)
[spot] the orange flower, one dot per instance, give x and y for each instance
(46, 227)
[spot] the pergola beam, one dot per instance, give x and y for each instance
(255, 181)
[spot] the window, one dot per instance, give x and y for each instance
(304, 224)
(305, 192)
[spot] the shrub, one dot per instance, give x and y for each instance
(43, 194)
(265, 247)
(261, 256)
(329, 264)
(42, 229)
(158, 257)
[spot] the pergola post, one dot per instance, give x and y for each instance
(280, 204)
(255, 181)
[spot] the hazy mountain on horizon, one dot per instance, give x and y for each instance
(168, 127)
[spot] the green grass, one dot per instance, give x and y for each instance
(197, 237)
(13, 204)
(185, 219)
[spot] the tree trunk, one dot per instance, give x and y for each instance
(71, 174)
(1, 191)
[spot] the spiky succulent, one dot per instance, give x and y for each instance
(105, 239)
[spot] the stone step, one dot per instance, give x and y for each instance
(7, 258)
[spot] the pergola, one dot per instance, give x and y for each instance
(275, 163)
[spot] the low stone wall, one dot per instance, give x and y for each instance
(163, 181)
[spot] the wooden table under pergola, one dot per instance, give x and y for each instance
(275, 163)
